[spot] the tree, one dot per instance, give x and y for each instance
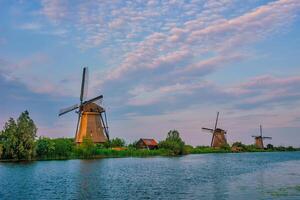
(173, 142)
(270, 146)
(63, 147)
(116, 142)
(1, 150)
(239, 146)
(26, 134)
(17, 138)
(45, 147)
(9, 139)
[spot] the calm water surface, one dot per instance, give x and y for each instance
(207, 176)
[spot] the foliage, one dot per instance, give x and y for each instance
(17, 142)
(9, 139)
(225, 147)
(133, 145)
(18, 138)
(63, 147)
(116, 142)
(173, 143)
(239, 146)
(1, 150)
(188, 149)
(208, 149)
(45, 147)
(87, 149)
(270, 146)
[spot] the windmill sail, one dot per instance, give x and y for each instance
(93, 99)
(218, 138)
(208, 129)
(216, 124)
(90, 122)
(68, 109)
(84, 85)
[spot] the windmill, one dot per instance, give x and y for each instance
(259, 143)
(92, 121)
(218, 135)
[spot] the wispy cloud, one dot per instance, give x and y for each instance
(155, 60)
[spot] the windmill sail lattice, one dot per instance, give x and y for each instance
(92, 121)
(218, 135)
(259, 139)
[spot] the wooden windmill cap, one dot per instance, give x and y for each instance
(92, 107)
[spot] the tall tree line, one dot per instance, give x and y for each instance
(17, 139)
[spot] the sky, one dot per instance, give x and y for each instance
(160, 65)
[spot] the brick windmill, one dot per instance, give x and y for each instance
(92, 121)
(259, 139)
(218, 135)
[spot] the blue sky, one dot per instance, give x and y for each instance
(160, 65)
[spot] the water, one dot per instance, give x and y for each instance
(207, 176)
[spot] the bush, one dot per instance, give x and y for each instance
(45, 147)
(240, 146)
(116, 142)
(1, 150)
(87, 149)
(173, 143)
(63, 147)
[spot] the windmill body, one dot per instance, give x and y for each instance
(92, 122)
(91, 125)
(218, 135)
(219, 138)
(259, 139)
(259, 143)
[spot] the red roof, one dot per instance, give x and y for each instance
(149, 142)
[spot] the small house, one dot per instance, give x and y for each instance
(147, 144)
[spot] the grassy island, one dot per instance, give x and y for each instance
(18, 141)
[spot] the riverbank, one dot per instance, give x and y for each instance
(111, 153)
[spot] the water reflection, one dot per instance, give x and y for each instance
(211, 176)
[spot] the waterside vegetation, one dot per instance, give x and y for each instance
(18, 141)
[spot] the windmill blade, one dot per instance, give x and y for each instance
(77, 126)
(212, 140)
(84, 84)
(267, 137)
(216, 124)
(260, 130)
(93, 99)
(66, 110)
(208, 129)
(107, 133)
(104, 125)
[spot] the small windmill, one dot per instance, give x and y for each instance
(218, 135)
(259, 143)
(92, 121)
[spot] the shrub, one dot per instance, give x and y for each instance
(87, 148)
(63, 147)
(173, 142)
(45, 147)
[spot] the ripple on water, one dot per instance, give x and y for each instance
(205, 176)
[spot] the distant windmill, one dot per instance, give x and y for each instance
(92, 121)
(259, 143)
(218, 135)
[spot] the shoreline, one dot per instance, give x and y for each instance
(96, 157)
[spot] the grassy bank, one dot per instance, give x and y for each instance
(18, 142)
(98, 153)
